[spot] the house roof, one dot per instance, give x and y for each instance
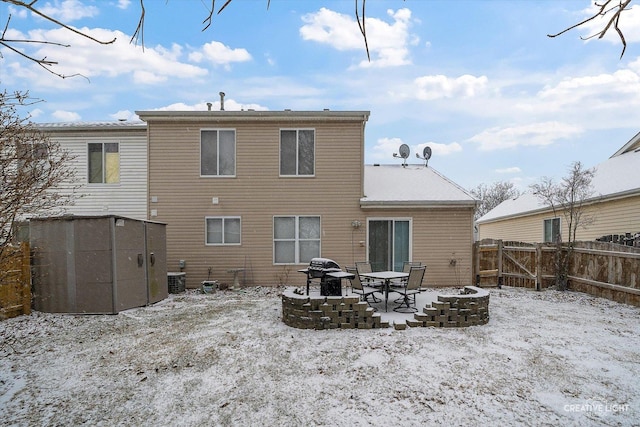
(252, 115)
(618, 176)
(397, 186)
(98, 125)
(633, 144)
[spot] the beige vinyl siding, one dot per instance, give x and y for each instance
(256, 194)
(126, 198)
(610, 217)
(439, 235)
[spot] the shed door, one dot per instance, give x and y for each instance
(131, 289)
(156, 261)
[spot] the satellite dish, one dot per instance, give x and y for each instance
(404, 151)
(426, 155)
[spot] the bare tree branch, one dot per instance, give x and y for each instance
(45, 63)
(31, 166)
(618, 7)
(139, 32)
(361, 25)
(31, 8)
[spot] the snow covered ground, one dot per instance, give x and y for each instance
(545, 358)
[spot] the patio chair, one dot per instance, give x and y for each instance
(406, 268)
(412, 287)
(364, 291)
(364, 267)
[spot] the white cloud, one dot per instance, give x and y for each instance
(536, 134)
(17, 12)
(85, 57)
(219, 54)
(513, 169)
(600, 92)
(66, 116)
(69, 10)
(439, 149)
(123, 4)
(629, 24)
(386, 147)
(388, 43)
(229, 105)
(125, 115)
(435, 87)
(35, 113)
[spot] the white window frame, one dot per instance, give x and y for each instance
(104, 165)
(218, 175)
(37, 152)
(544, 229)
(296, 239)
(223, 219)
(297, 174)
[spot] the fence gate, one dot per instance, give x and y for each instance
(518, 264)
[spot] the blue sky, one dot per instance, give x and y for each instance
(476, 80)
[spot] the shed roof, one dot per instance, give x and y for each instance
(397, 186)
(618, 176)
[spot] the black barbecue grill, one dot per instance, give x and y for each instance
(319, 269)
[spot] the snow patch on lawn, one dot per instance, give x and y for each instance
(544, 358)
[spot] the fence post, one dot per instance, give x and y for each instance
(499, 278)
(25, 277)
(538, 266)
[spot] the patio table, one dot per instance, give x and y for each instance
(387, 277)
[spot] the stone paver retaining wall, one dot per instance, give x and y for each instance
(469, 308)
(318, 312)
(454, 311)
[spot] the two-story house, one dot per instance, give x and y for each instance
(266, 191)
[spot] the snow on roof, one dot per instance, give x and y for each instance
(615, 177)
(138, 124)
(411, 185)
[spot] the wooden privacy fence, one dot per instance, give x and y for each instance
(602, 269)
(15, 281)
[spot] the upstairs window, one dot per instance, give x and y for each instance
(104, 163)
(297, 152)
(551, 230)
(32, 159)
(218, 152)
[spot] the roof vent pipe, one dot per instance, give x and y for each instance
(209, 106)
(221, 101)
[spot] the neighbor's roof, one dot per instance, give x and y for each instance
(413, 185)
(618, 176)
(98, 125)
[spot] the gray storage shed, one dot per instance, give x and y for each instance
(97, 264)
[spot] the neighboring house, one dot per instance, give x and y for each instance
(614, 206)
(110, 165)
(267, 191)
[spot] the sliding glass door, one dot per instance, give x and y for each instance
(389, 243)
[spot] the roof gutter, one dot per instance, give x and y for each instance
(390, 204)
